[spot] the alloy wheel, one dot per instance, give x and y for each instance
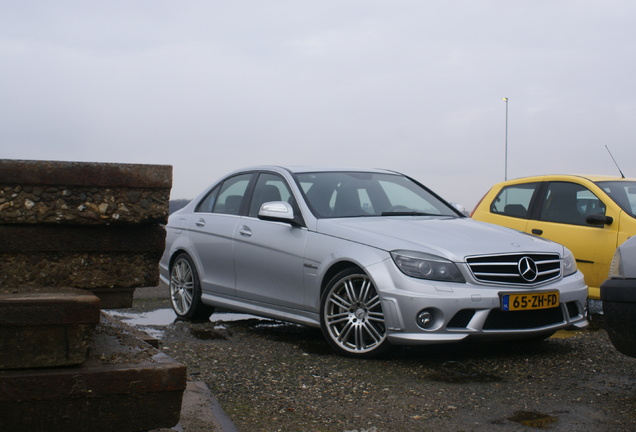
(182, 286)
(353, 317)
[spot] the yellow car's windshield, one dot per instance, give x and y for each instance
(623, 193)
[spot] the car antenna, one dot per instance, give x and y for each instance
(619, 168)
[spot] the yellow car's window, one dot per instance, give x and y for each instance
(570, 203)
(514, 200)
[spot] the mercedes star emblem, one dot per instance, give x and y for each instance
(528, 269)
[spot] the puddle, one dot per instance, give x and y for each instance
(159, 317)
(151, 322)
(533, 419)
(566, 334)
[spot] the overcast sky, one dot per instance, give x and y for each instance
(410, 85)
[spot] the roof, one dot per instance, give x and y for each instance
(319, 168)
(556, 177)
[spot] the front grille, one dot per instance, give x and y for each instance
(527, 319)
(516, 268)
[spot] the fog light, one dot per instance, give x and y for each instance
(425, 319)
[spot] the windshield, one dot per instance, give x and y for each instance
(623, 193)
(356, 194)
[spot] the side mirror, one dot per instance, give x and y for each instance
(599, 219)
(277, 211)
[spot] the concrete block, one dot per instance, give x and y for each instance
(79, 270)
(125, 385)
(46, 327)
(85, 174)
(65, 238)
(52, 192)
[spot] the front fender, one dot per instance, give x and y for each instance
(325, 256)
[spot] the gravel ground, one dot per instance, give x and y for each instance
(272, 376)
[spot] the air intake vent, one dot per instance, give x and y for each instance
(527, 319)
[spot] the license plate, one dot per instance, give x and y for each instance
(529, 301)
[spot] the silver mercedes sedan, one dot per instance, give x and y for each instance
(372, 257)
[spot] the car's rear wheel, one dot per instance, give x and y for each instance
(185, 291)
(351, 315)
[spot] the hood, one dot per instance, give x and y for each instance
(451, 238)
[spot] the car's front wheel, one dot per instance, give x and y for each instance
(185, 291)
(351, 315)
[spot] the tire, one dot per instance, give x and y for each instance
(351, 315)
(185, 291)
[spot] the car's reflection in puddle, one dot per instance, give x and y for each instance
(155, 322)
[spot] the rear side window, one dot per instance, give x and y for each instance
(231, 195)
(514, 200)
(207, 204)
(227, 197)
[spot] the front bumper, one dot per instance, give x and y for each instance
(472, 310)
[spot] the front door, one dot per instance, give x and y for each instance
(268, 256)
(564, 209)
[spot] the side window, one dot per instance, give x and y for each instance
(207, 204)
(570, 203)
(514, 200)
(230, 195)
(226, 197)
(269, 187)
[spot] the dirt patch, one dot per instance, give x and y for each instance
(274, 376)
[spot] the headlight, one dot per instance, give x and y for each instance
(569, 263)
(616, 269)
(426, 266)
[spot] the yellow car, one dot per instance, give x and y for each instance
(590, 215)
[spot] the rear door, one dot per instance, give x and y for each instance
(211, 233)
(512, 206)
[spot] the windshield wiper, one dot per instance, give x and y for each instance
(408, 213)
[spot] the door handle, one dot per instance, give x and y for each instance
(537, 231)
(200, 222)
(245, 231)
